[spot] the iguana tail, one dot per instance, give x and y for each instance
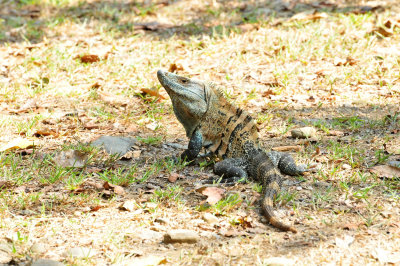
(263, 168)
(267, 206)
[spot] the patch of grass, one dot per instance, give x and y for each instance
(151, 140)
(56, 174)
(381, 156)
(319, 199)
(171, 193)
(351, 154)
(257, 187)
(351, 123)
(120, 176)
(225, 205)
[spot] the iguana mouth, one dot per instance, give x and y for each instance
(170, 84)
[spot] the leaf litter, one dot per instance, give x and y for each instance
(295, 78)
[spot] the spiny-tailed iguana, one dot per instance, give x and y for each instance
(230, 133)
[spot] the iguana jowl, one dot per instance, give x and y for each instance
(231, 134)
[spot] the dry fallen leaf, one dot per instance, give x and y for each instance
(129, 205)
(70, 158)
(337, 61)
(17, 144)
(173, 177)
(152, 26)
(382, 31)
(304, 16)
(174, 67)
(43, 131)
(351, 226)
(114, 188)
(344, 242)
(296, 148)
(4, 184)
(88, 58)
(385, 171)
(95, 208)
(385, 256)
(214, 194)
(149, 260)
(152, 92)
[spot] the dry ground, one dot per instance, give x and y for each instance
(71, 71)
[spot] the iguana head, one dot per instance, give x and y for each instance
(189, 98)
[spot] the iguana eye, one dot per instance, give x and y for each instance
(184, 81)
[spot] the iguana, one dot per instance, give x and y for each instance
(230, 133)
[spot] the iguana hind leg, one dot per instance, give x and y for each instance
(232, 170)
(285, 163)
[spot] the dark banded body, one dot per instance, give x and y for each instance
(225, 129)
(230, 133)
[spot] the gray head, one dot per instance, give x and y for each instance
(189, 98)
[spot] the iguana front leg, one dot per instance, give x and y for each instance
(232, 170)
(194, 147)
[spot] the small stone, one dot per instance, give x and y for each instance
(136, 153)
(80, 252)
(151, 205)
(161, 220)
(210, 235)
(346, 166)
(5, 253)
(278, 261)
(149, 260)
(146, 234)
(5, 257)
(46, 262)
(39, 248)
(209, 218)
(129, 205)
(181, 236)
(304, 132)
(114, 144)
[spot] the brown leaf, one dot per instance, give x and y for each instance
(4, 184)
(42, 132)
(174, 67)
(247, 27)
(214, 194)
(91, 125)
(95, 208)
(231, 233)
(391, 24)
(173, 177)
(288, 148)
(114, 188)
(245, 222)
(385, 171)
(351, 226)
(343, 62)
(129, 205)
(17, 144)
(88, 58)
(335, 133)
(70, 158)
(305, 16)
(382, 31)
(152, 26)
(153, 93)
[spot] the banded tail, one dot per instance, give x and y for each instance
(268, 175)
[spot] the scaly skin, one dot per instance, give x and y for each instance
(229, 133)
